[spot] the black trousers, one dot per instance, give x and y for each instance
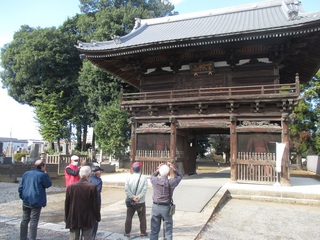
(140, 208)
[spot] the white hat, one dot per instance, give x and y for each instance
(164, 170)
(74, 158)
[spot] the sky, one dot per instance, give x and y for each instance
(17, 120)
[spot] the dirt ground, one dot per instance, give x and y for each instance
(238, 219)
(54, 211)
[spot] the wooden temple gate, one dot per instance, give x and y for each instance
(252, 142)
(239, 79)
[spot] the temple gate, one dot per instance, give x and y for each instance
(214, 72)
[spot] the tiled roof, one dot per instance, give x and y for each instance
(260, 19)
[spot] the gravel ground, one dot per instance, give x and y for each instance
(248, 219)
(10, 208)
(237, 219)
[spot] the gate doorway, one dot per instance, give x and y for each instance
(248, 146)
(213, 152)
(204, 147)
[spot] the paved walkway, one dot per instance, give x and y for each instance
(196, 198)
(198, 195)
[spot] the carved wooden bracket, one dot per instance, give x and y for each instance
(201, 108)
(152, 111)
(286, 105)
(133, 111)
(172, 109)
(257, 107)
(233, 107)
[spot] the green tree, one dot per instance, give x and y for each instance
(157, 8)
(99, 87)
(39, 59)
(41, 64)
(112, 130)
(53, 118)
(304, 132)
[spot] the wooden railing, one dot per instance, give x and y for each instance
(152, 154)
(291, 89)
(256, 167)
(149, 166)
(61, 160)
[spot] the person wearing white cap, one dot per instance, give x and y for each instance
(32, 191)
(163, 188)
(71, 172)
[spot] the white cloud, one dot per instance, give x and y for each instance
(16, 120)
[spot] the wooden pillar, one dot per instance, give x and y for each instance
(285, 174)
(233, 148)
(133, 141)
(173, 141)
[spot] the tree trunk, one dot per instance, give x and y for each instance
(299, 162)
(93, 145)
(79, 133)
(52, 146)
(84, 140)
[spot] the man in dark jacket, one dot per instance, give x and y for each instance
(82, 207)
(95, 178)
(32, 191)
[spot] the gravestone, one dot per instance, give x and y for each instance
(34, 153)
(65, 149)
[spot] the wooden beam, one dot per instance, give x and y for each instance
(173, 140)
(285, 175)
(233, 148)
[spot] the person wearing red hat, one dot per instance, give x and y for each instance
(136, 187)
(71, 172)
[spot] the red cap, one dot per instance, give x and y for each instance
(137, 164)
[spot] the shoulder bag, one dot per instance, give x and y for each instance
(172, 205)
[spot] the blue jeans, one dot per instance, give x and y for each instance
(32, 215)
(159, 213)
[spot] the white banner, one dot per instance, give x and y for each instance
(279, 154)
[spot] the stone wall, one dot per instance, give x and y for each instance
(313, 164)
(12, 172)
(108, 168)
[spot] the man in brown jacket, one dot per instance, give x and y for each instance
(82, 208)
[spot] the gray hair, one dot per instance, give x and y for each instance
(164, 170)
(85, 171)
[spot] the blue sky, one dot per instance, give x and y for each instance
(18, 120)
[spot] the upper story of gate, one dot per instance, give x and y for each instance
(229, 55)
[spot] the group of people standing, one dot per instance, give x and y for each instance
(83, 199)
(136, 187)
